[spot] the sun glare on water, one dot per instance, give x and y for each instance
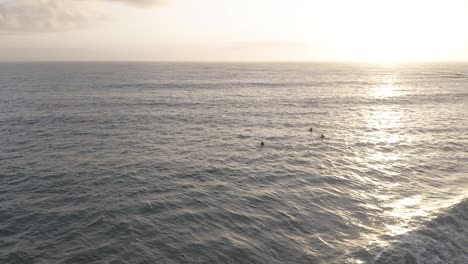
(394, 31)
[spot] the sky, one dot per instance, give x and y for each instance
(234, 30)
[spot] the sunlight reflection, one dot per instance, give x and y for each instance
(384, 91)
(404, 210)
(383, 125)
(388, 88)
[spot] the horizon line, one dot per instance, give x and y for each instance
(235, 61)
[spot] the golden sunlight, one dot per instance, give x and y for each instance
(394, 31)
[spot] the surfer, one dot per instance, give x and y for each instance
(322, 136)
(262, 144)
(310, 130)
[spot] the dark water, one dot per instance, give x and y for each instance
(161, 163)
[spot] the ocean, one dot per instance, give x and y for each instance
(162, 163)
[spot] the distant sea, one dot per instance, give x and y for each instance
(162, 163)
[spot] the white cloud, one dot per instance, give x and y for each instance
(53, 15)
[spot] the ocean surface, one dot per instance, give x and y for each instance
(162, 163)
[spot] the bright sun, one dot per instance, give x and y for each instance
(394, 31)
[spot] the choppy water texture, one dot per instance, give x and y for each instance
(161, 163)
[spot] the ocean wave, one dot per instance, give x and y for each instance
(443, 239)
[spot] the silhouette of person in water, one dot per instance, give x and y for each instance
(322, 136)
(310, 130)
(262, 144)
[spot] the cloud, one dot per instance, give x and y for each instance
(54, 15)
(140, 3)
(41, 15)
